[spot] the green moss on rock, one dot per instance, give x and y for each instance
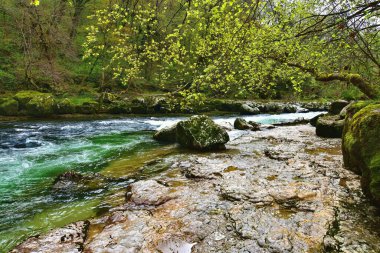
(361, 147)
(201, 133)
(8, 107)
(23, 97)
(41, 105)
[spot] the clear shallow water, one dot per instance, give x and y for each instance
(33, 154)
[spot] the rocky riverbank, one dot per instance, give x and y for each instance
(277, 190)
(37, 104)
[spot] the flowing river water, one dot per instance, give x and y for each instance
(33, 154)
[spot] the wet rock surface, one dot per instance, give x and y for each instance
(278, 190)
(69, 239)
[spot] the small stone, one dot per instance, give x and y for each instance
(149, 193)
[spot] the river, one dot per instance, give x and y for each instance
(34, 153)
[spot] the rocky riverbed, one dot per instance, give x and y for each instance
(277, 190)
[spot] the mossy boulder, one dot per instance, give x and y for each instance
(329, 126)
(41, 105)
(8, 107)
(201, 133)
(168, 134)
(361, 146)
(23, 97)
(353, 108)
(64, 106)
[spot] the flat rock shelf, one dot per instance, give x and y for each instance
(278, 190)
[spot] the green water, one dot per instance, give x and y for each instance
(32, 155)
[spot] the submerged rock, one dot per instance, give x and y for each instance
(8, 106)
(72, 181)
(201, 133)
(330, 126)
(361, 147)
(168, 134)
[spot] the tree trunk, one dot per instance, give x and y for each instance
(354, 79)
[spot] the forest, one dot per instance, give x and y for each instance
(190, 126)
(193, 49)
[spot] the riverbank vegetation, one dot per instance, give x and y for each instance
(192, 49)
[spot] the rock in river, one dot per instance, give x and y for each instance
(72, 181)
(242, 124)
(337, 106)
(168, 134)
(329, 126)
(201, 133)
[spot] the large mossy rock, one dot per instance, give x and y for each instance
(23, 97)
(361, 146)
(201, 133)
(168, 134)
(35, 103)
(8, 107)
(42, 105)
(329, 126)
